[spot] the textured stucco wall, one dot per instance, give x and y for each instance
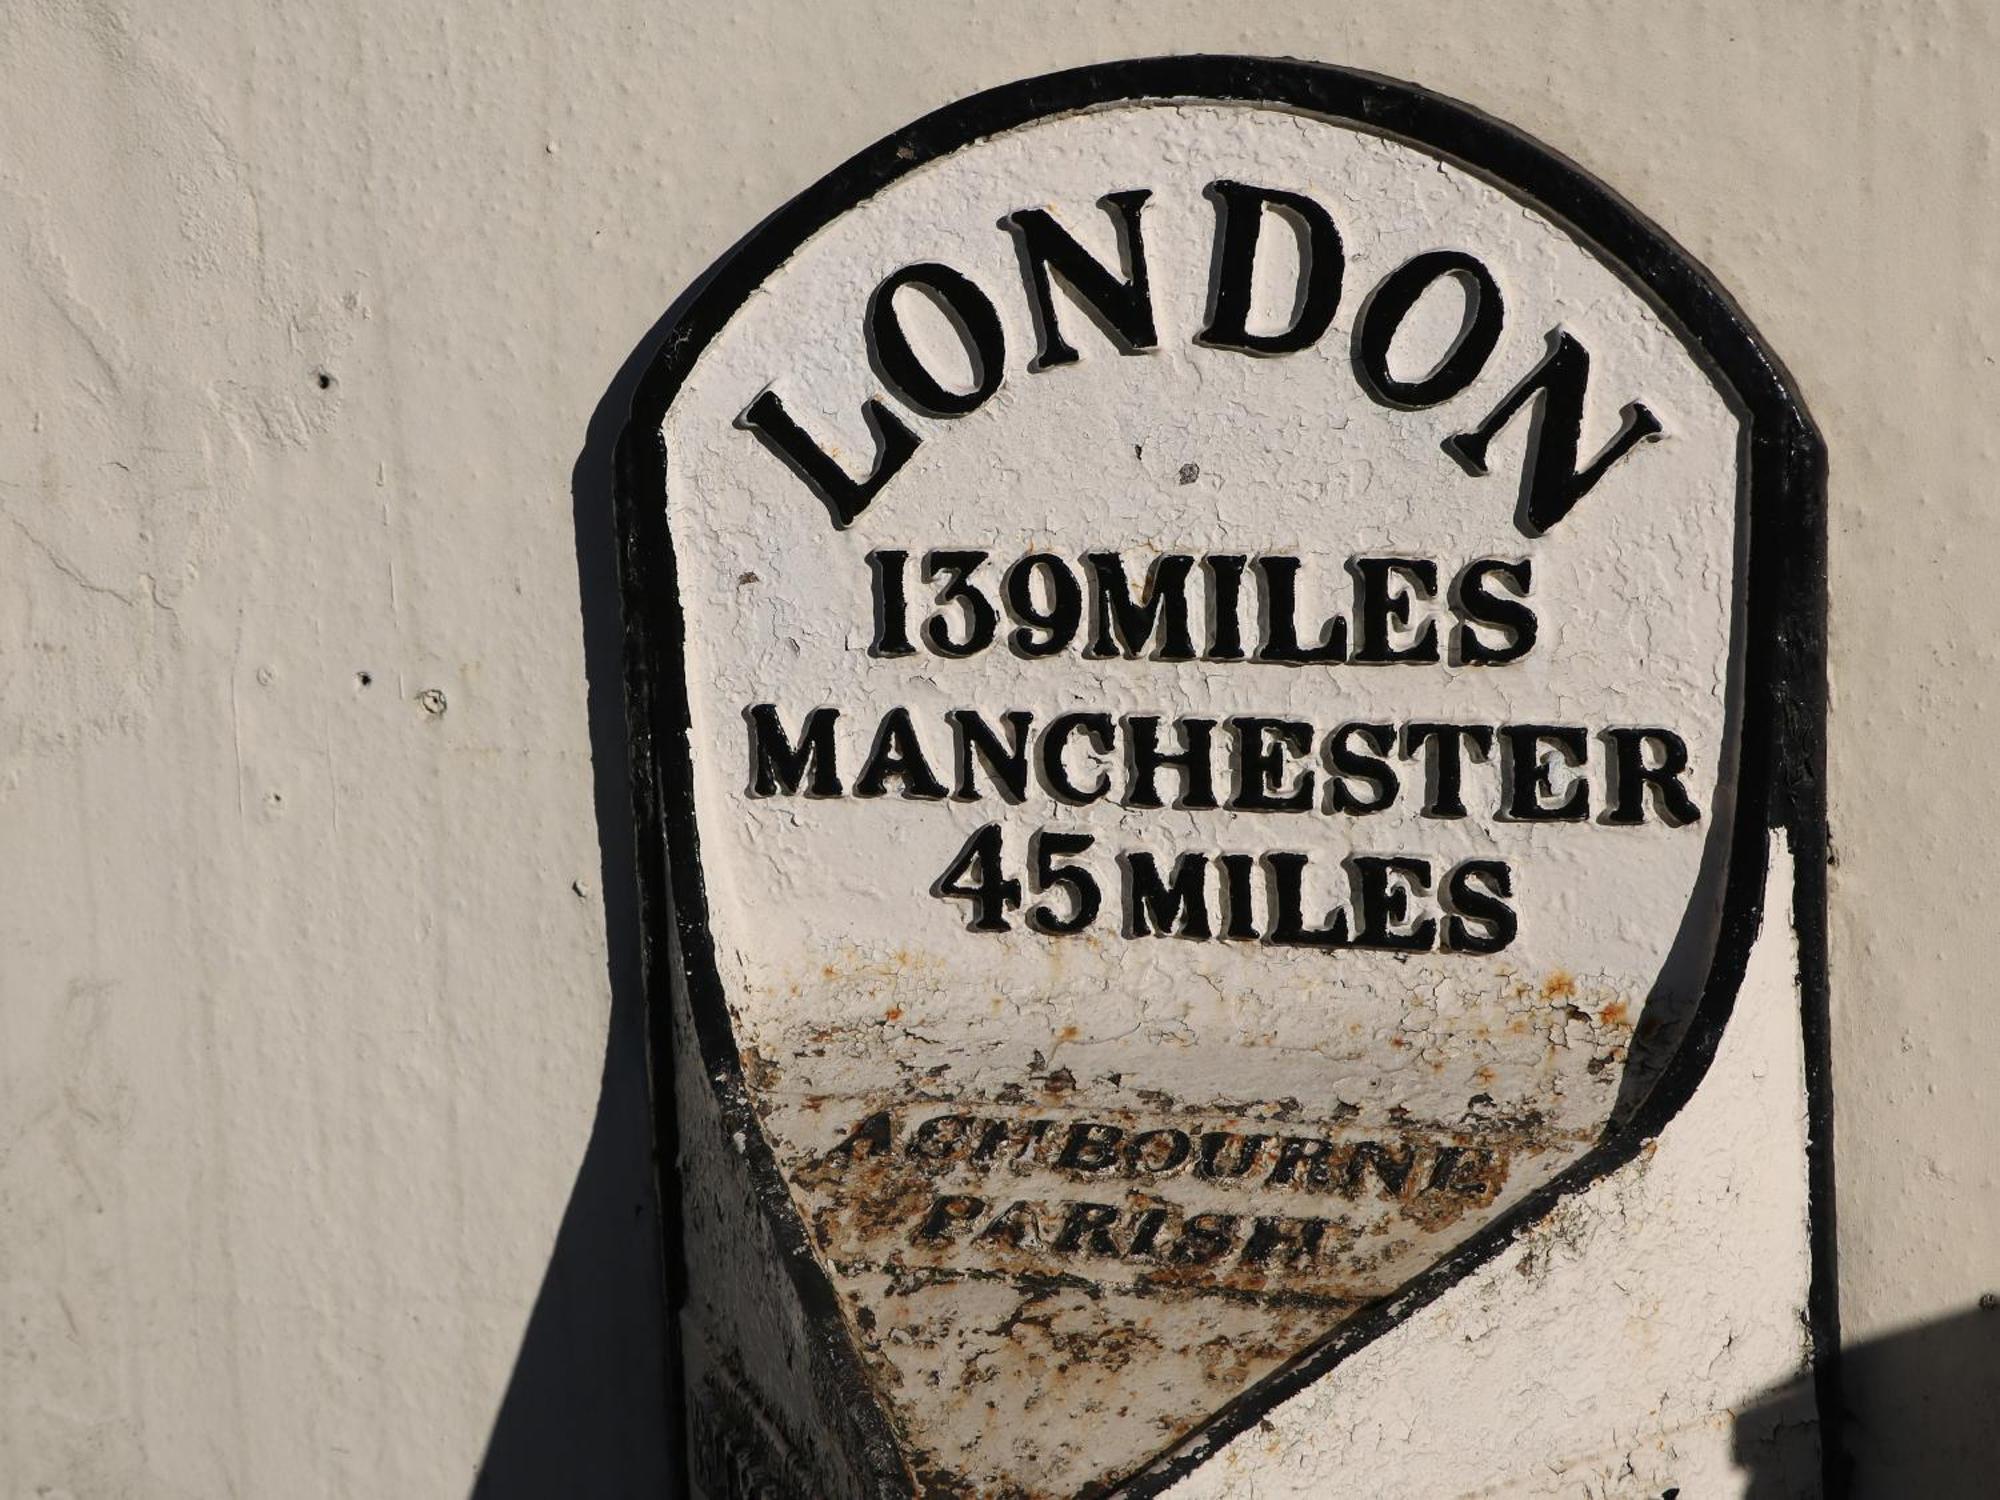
(304, 985)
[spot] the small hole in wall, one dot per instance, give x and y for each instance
(363, 679)
(325, 380)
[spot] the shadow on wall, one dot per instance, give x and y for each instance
(1928, 1422)
(1923, 1420)
(1777, 1446)
(589, 1409)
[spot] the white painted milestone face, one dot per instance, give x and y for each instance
(1129, 1000)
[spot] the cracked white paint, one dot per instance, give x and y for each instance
(1503, 1386)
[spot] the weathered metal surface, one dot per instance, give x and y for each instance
(1210, 642)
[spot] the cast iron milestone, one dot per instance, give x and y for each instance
(1212, 645)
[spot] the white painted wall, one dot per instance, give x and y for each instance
(304, 987)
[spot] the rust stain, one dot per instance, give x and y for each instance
(1104, 1237)
(1560, 985)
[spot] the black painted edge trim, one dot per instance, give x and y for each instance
(1781, 751)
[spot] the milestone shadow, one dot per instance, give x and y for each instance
(592, 1408)
(1921, 1418)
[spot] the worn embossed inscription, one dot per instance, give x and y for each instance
(1208, 639)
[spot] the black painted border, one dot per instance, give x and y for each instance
(1781, 781)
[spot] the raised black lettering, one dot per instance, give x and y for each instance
(1098, 729)
(1316, 1156)
(1225, 593)
(1018, 1226)
(1443, 746)
(1176, 907)
(1381, 608)
(1152, 1152)
(1631, 776)
(1391, 1169)
(1530, 779)
(1216, 1144)
(980, 619)
(1239, 915)
(1087, 1227)
(947, 1216)
(1147, 1234)
(1045, 848)
(1383, 313)
(1551, 483)
(940, 1138)
(1144, 760)
(1044, 629)
(777, 766)
(1090, 1147)
(1298, 1239)
(1278, 577)
(1124, 626)
(1204, 1238)
(1288, 872)
(1120, 305)
(892, 628)
(1240, 211)
(1384, 885)
(1006, 762)
(872, 1137)
(1478, 604)
(1349, 765)
(1479, 918)
(898, 753)
(1260, 769)
(845, 497)
(970, 313)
